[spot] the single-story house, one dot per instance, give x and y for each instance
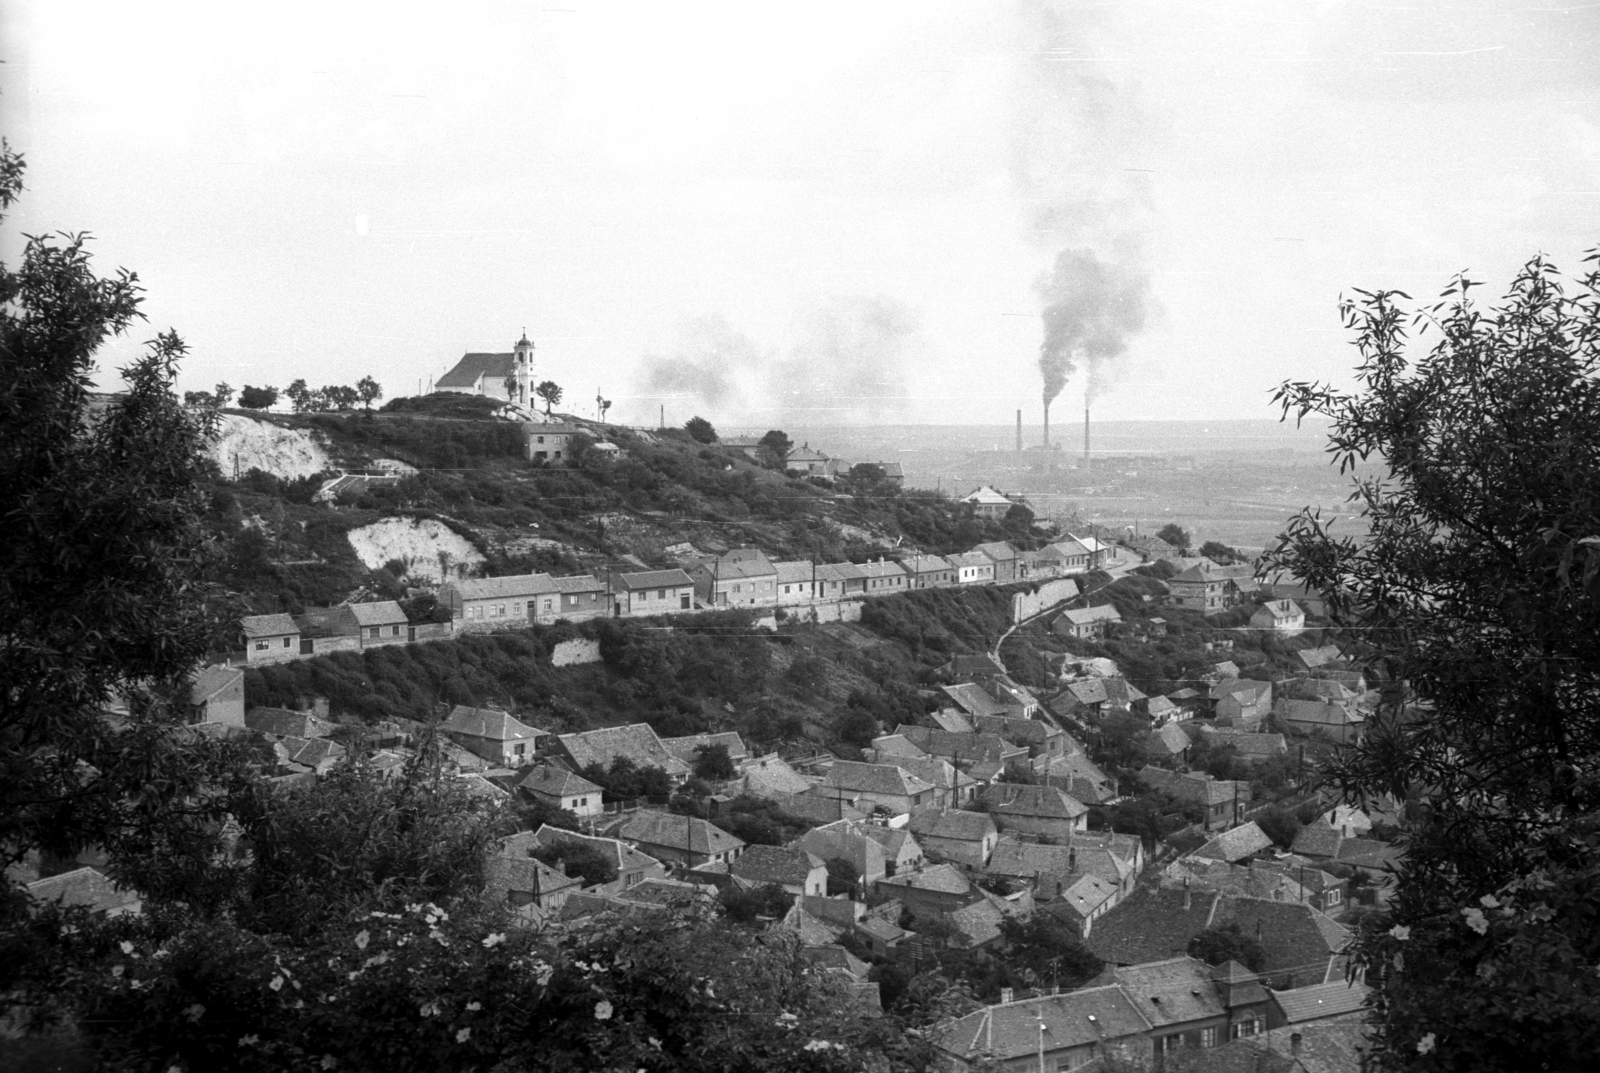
(955, 834)
(1284, 616)
(637, 741)
(991, 503)
(797, 871)
(652, 592)
(972, 568)
(685, 841)
(269, 638)
(496, 736)
(218, 696)
(929, 571)
(887, 786)
(1086, 621)
(1339, 723)
(1004, 557)
(557, 787)
(1039, 810)
(551, 443)
(736, 582)
(487, 603)
(796, 581)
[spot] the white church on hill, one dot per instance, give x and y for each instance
(502, 377)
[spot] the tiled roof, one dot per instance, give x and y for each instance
(1172, 991)
(1322, 1000)
(1317, 840)
(1235, 845)
(881, 929)
(487, 723)
(926, 564)
(1091, 1015)
(1151, 925)
(775, 864)
(267, 625)
(963, 747)
(971, 558)
(511, 869)
(85, 887)
(952, 720)
(973, 700)
(503, 588)
(578, 583)
(625, 856)
(637, 741)
(684, 748)
(1333, 1046)
(653, 579)
(211, 681)
(1030, 859)
(312, 751)
(556, 781)
(998, 550)
(1160, 706)
(880, 568)
(954, 823)
(1025, 800)
(282, 721)
(737, 571)
(378, 613)
(1064, 549)
(678, 832)
(986, 496)
(935, 771)
(942, 878)
(894, 840)
(1316, 711)
(769, 775)
(808, 806)
(475, 364)
(1289, 932)
(1245, 689)
(1317, 657)
(1018, 730)
(1246, 743)
(978, 923)
(874, 778)
(1087, 615)
(1170, 740)
(795, 571)
(895, 745)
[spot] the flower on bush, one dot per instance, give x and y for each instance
(1425, 1044)
(1400, 932)
(1476, 920)
(602, 1010)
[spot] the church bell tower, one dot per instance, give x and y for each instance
(522, 369)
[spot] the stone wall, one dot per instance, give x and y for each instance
(1045, 595)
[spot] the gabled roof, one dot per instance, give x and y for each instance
(770, 776)
(1064, 549)
(1169, 740)
(211, 681)
(1171, 991)
(892, 745)
(1317, 657)
(978, 923)
(1245, 742)
(578, 583)
(1245, 689)
(1321, 1001)
(1085, 616)
(312, 751)
(1010, 1030)
(935, 771)
(1317, 840)
(1087, 895)
(253, 626)
(794, 570)
(555, 781)
(685, 748)
(938, 822)
(637, 741)
(737, 570)
(1320, 713)
(503, 588)
(282, 721)
(378, 613)
(775, 864)
(677, 832)
(972, 559)
(1027, 860)
(1235, 845)
(1151, 925)
(487, 723)
(623, 855)
(882, 568)
(1294, 936)
(952, 720)
(987, 497)
(998, 550)
(474, 364)
(653, 579)
(85, 887)
(971, 698)
(926, 564)
(511, 869)
(1020, 799)
(963, 747)
(942, 878)
(895, 841)
(874, 778)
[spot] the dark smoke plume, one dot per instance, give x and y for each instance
(1092, 310)
(712, 364)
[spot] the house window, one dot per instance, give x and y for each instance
(661, 594)
(1244, 1028)
(262, 646)
(547, 606)
(582, 801)
(1334, 896)
(1208, 1036)
(520, 749)
(633, 877)
(287, 641)
(516, 609)
(374, 632)
(394, 631)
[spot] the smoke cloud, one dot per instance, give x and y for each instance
(712, 363)
(1092, 310)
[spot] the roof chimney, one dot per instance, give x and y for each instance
(1294, 1043)
(1186, 902)
(1006, 994)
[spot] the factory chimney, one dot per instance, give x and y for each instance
(1047, 424)
(1086, 436)
(1019, 431)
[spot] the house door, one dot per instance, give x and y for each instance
(683, 602)
(306, 645)
(411, 633)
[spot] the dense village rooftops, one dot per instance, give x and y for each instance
(1235, 845)
(1245, 689)
(963, 747)
(637, 742)
(653, 579)
(488, 723)
(933, 770)
(687, 833)
(253, 626)
(874, 779)
(378, 613)
(556, 781)
(502, 588)
(511, 869)
(1321, 1001)
(1011, 1030)
(979, 923)
(1152, 925)
(775, 864)
(1018, 730)
(952, 823)
(770, 776)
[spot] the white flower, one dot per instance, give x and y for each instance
(474, 1006)
(821, 1045)
(1489, 901)
(602, 1010)
(1401, 932)
(429, 1009)
(1476, 920)
(362, 939)
(277, 983)
(127, 947)
(1425, 1044)
(117, 970)
(493, 940)
(655, 1043)
(464, 1035)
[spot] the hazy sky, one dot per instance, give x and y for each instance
(800, 212)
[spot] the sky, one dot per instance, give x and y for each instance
(824, 213)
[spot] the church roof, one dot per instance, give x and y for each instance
(473, 365)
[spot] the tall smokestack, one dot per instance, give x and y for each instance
(1019, 430)
(1085, 436)
(1046, 424)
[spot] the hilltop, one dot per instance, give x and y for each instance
(459, 492)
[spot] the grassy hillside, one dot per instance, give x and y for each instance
(283, 553)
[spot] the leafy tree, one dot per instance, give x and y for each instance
(300, 396)
(1173, 534)
(223, 394)
(748, 906)
(1018, 520)
(200, 399)
(842, 877)
(1226, 942)
(1280, 825)
(579, 858)
(340, 397)
(700, 430)
(368, 391)
(1049, 949)
(257, 398)
(711, 762)
(102, 511)
(1476, 582)
(774, 450)
(550, 392)
(1218, 551)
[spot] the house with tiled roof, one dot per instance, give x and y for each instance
(675, 839)
(951, 785)
(1236, 845)
(1303, 946)
(1191, 1004)
(636, 741)
(1035, 735)
(529, 887)
(1223, 799)
(285, 722)
(1037, 810)
(488, 374)
(847, 841)
(687, 748)
(973, 700)
(887, 748)
(496, 736)
(269, 638)
(557, 787)
(1341, 724)
(901, 851)
(1046, 866)
(972, 568)
(952, 720)
(1086, 622)
(1166, 742)
(1017, 698)
(796, 870)
(929, 571)
(494, 602)
(1161, 709)
(318, 754)
(955, 834)
(217, 695)
(652, 592)
(977, 926)
(1318, 1002)
(736, 582)
(884, 577)
(990, 502)
(380, 622)
(1064, 557)
(1071, 1029)
(89, 888)
(1280, 616)
(886, 786)
(1211, 587)
(934, 891)
(771, 777)
(883, 936)
(1082, 901)
(966, 665)
(813, 806)
(1004, 557)
(633, 866)
(1117, 858)
(796, 582)
(1240, 702)
(1321, 656)
(963, 750)
(578, 598)
(1252, 748)
(1077, 775)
